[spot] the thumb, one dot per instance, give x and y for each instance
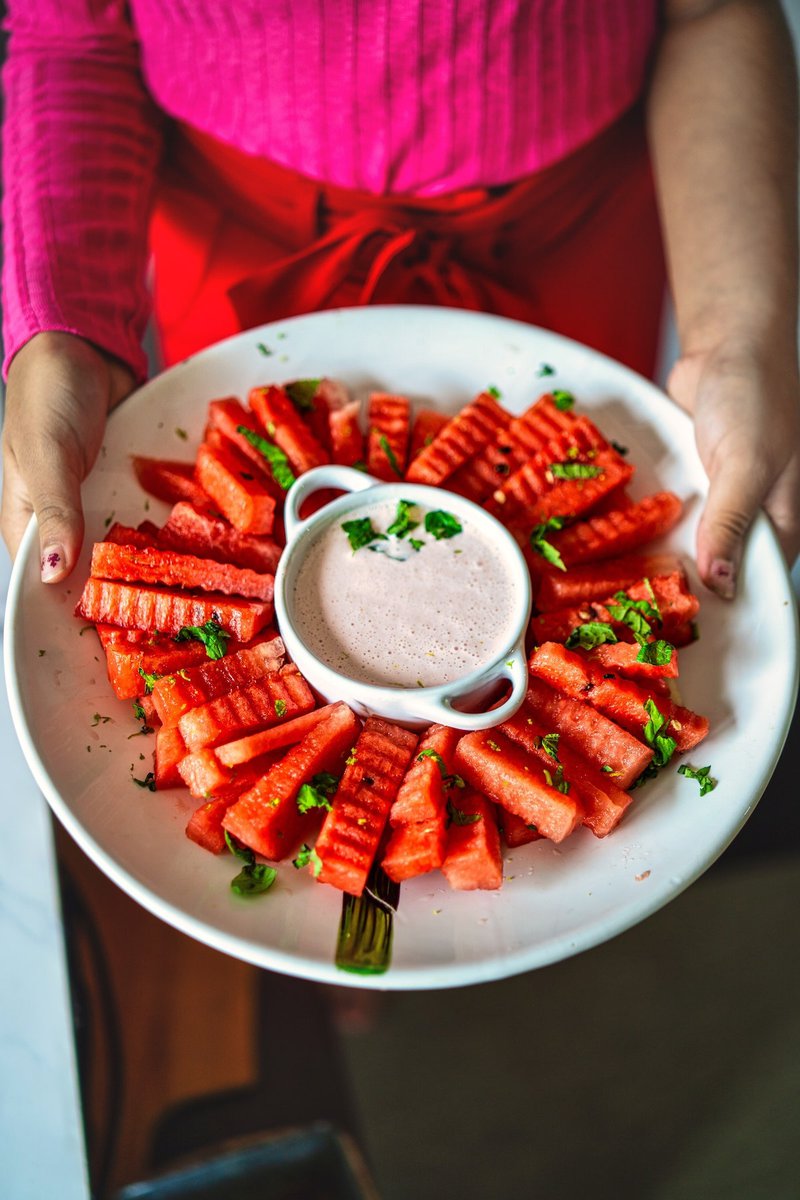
(734, 498)
(45, 484)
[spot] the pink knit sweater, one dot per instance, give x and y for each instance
(419, 96)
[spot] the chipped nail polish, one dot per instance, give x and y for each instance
(52, 563)
(723, 577)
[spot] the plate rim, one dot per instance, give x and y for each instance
(421, 977)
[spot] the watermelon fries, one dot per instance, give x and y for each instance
(184, 613)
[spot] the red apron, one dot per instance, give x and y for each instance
(238, 241)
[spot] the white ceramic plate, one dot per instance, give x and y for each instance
(556, 901)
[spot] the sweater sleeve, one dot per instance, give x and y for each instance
(80, 148)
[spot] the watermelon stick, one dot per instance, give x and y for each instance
(364, 945)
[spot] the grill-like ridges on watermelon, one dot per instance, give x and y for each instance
(618, 531)
(276, 697)
(207, 536)
(422, 795)
(209, 770)
(676, 604)
(125, 661)
(554, 589)
(473, 858)
(388, 419)
(501, 770)
(149, 564)
(524, 437)
(428, 422)
(348, 842)
(283, 425)
(267, 818)
(603, 801)
(622, 700)
(596, 738)
(533, 495)
(239, 495)
(176, 694)
(463, 435)
(233, 754)
(150, 608)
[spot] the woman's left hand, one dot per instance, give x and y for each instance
(746, 408)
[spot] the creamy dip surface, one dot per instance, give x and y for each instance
(392, 614)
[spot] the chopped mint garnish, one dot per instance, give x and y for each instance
(442, 524)
(278, 462)
(593, 633)
(457, 816)
(657, 654)
(360, 533)
(701, 774)
(550, 744)
(302, 392)
(383, 442)
(317, 793)
(574, 470)
(663, 746)
(307, 854)
(402, 523)
(212, 635)
(539, 543)
(564, 401)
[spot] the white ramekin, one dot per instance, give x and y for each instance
(414, 707)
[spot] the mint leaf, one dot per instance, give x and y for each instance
(636, 614)
(212, 635)
(253, 879)
(402, 523)
(383, 442)
(564, 401)
(574, 470)
(539, 543)
(663, 746)
(442, 524)
(278, 462)
(701, 774)
(545, 369)
(317, 793)
(458, 817)
(149, 680)
(360, 533)
(556, 781)
(493, 391)
(307, 854)
(448, 780)
(550, 744)
(593, 633)
(657, 654)
(301, 392)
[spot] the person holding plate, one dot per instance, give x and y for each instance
(273, 161)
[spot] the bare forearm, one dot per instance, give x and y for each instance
(723, 129)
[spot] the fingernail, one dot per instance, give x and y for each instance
(723, 578)
(53, 563)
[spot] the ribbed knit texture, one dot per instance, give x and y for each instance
(419, 96)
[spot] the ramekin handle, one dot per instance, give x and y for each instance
(441, 708)
(330, 475)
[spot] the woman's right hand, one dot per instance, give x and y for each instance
(60, 390)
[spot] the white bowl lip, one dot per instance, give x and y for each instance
(376, 696)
